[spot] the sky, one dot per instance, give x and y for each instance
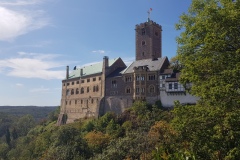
(39, 38)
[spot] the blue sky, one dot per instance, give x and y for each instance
(39, 38)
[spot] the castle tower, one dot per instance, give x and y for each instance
(148, 40)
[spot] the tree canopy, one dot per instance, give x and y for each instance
(209, 50)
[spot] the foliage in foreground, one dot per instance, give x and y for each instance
(196, 132)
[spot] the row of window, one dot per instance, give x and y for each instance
(70, 102)
(76, 91)
(140, 78)
(83, 81)
(141, 90)
(173, 86)
(165, 76)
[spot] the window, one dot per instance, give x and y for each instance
(151, 77)
(128, 79)
(87, 89)
(170, 86)
(156, 33)
(143, 43)
(99, 78)
(92, 100)
(63, 84)
(143, 54)
(143, 31)
(81, 101)
(67, 84)
(137, 90)
(66, 102)
(70, 102)
(142, 78)
(77, 82)
(68, 92)
(114, 84)
(128, 90)
(143, 90)
(75, 101)
(88, 80)
(77, 91)
(151, 89)
(138, 78)
(82, 90)
(94, 88)
(175, 85)
(72, 83)
(82, 81)
(94, 79)
(72, 91)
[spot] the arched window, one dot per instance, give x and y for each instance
(77, 91)
(72, 91)
(82, 90)
(151, 89)
(68, 92)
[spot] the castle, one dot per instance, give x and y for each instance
(110, 85)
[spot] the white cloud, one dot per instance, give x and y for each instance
(19, 85)
(32, 66)
(41, 89)
(15, 22)
(99, 51)
(20, 2)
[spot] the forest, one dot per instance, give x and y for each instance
(208, 57)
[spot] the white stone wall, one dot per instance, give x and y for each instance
(168, 99)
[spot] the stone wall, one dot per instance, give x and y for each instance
(168, 99)
(117, 104)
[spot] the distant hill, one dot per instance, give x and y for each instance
(37, 112)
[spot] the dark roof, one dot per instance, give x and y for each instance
(174, 77)
(153, 65)
(167, 71)
(117, 72)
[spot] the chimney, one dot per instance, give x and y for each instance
(105, 62)
(81, 72)
(67, 72)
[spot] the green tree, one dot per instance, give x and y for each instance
(209, 50)
(207, 132)
(4, 148)
(7, 136)
(24, 124)
(175, 64)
